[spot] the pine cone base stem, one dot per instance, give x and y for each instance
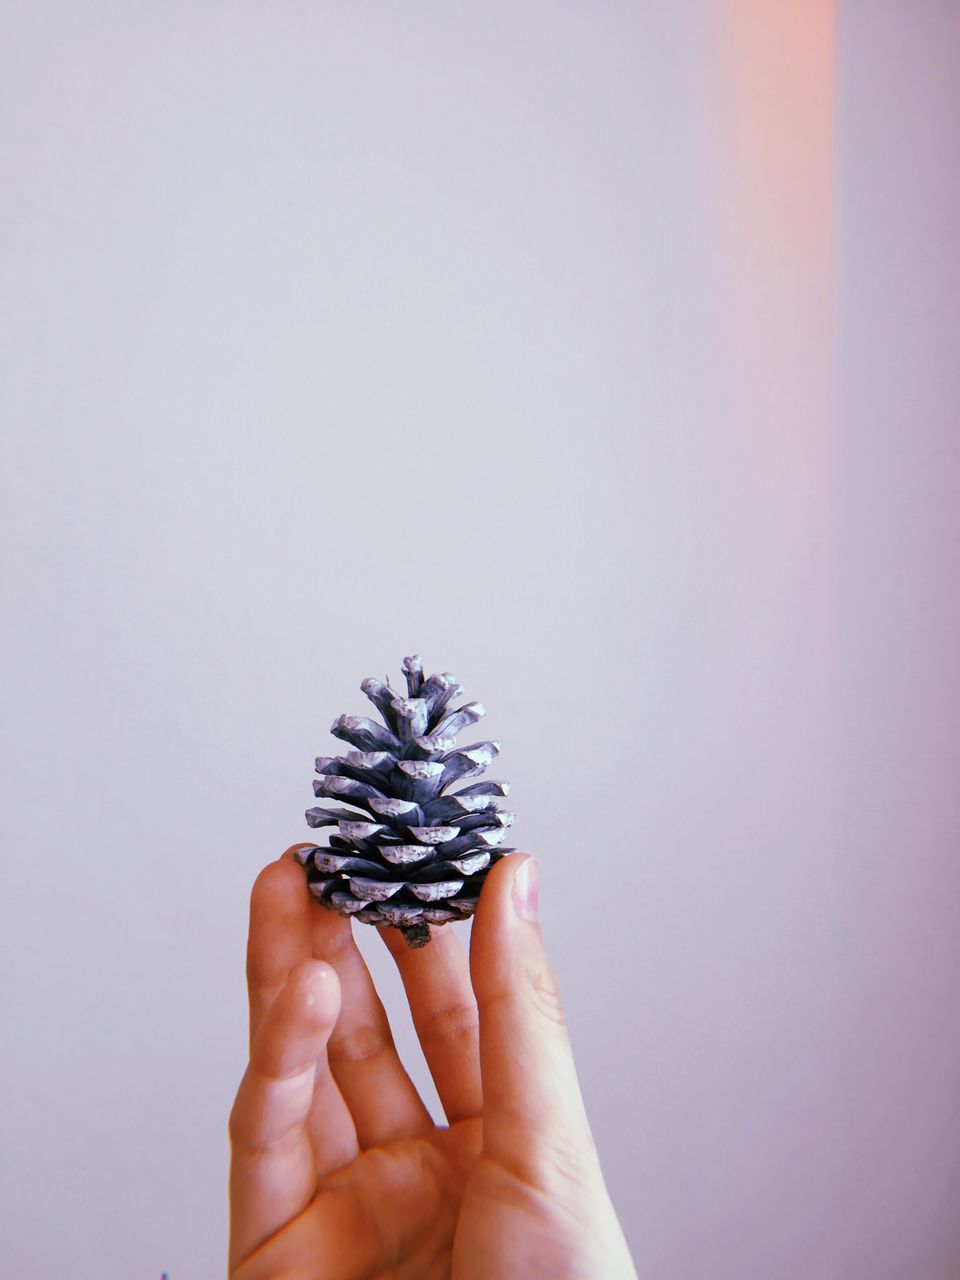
(417, 935)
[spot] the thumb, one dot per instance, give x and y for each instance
(534, 1123)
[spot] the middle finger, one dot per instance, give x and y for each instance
(436, 979)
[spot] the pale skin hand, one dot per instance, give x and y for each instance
(338, 1171)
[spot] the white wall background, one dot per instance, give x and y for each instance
(333, 333)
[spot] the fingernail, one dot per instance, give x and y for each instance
(526, 886)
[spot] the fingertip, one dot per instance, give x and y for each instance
(495, 896)
(315, 987)
(508, 867)
(286, 869)
(525, 889)
(277, 882)
(496, 934)
(311, 973)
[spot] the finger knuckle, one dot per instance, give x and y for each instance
(545, 994)
(366, 1041)
(450, 1025)
(566, 1165)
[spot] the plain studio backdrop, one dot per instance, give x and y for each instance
(604, 355)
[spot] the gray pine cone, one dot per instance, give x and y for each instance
(409, 852)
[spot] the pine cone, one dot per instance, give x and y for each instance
(410, 853)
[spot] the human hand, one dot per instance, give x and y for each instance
(337, 1169)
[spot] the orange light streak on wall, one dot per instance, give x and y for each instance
(779, 92)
